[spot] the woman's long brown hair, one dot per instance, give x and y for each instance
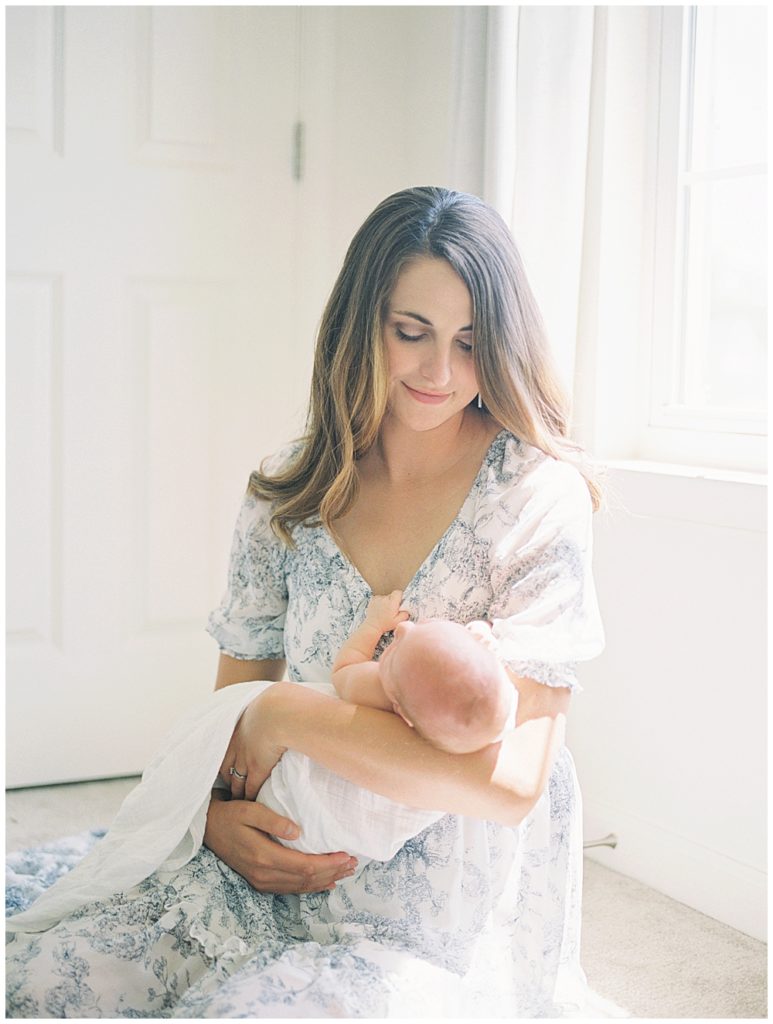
(516, 377)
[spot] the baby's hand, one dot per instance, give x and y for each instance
(484, 634)
(384, 611)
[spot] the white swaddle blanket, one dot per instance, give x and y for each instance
(335, 814)
(160, 825)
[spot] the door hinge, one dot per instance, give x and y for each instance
(298, 150)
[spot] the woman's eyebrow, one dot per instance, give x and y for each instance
(423, 319)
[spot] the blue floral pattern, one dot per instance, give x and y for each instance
(470, 918)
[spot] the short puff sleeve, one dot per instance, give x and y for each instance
(544, 611)
(249, 622)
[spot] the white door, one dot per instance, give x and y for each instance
(153, 356)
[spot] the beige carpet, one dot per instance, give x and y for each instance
(641, 950)
(659, 958)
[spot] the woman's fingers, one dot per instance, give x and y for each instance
(234, 777)
(229, 759)
(281, 882)
(294, 862)
(305, 872)
(266, 820)
(235, 769)
(251, 789)
(250, 755)
(312, 873)
(279, 869)
(237, 780)
(234, 833)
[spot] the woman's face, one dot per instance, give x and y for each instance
(429, 343)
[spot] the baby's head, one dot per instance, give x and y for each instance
(447, 685)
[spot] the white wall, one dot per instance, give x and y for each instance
(669, 735)
(377, 110)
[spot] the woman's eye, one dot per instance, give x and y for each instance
(465, 346)
(408, 337)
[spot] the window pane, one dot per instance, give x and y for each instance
(724, 318)
(735, 369)
(729, 109)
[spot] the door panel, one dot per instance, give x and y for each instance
(152, 361)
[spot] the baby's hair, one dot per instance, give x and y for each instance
(456, 697)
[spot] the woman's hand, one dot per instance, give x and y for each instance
(236, 832)
(252, 753)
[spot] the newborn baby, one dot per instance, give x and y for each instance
(445, 680)
(442, 678)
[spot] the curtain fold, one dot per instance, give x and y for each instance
(520, 139)
(468, 130)
(539, 114)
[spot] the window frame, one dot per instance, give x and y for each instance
(674, 431)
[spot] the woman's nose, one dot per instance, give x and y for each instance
(436, 368)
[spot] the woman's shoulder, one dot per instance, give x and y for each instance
(282, 459)
(518, 473)
(255, 512)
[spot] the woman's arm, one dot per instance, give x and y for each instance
(378, 751)
(236, 830)
(235, 670)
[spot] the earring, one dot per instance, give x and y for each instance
(480, 401)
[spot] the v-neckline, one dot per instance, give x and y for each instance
(355, 572)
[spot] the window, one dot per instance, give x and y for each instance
(707, 387)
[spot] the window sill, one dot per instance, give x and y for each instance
(723, 498)
(685, 471)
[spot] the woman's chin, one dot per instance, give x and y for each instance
(423, 418)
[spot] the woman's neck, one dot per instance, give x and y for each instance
(407, 456)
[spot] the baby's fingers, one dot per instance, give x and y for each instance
(483, 634)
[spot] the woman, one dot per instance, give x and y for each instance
(435, 462)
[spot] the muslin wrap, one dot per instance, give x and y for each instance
(160, 825)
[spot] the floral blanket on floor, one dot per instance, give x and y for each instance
(29, 872)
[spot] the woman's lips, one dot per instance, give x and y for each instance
(427, 397)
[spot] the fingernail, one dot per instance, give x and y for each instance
(291, 832)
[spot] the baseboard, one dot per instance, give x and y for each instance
(695, 875)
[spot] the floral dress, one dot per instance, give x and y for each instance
(470, 918)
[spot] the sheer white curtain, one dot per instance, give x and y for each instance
(553, 100)
(520, 140)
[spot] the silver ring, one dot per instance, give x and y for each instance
(233, 771)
